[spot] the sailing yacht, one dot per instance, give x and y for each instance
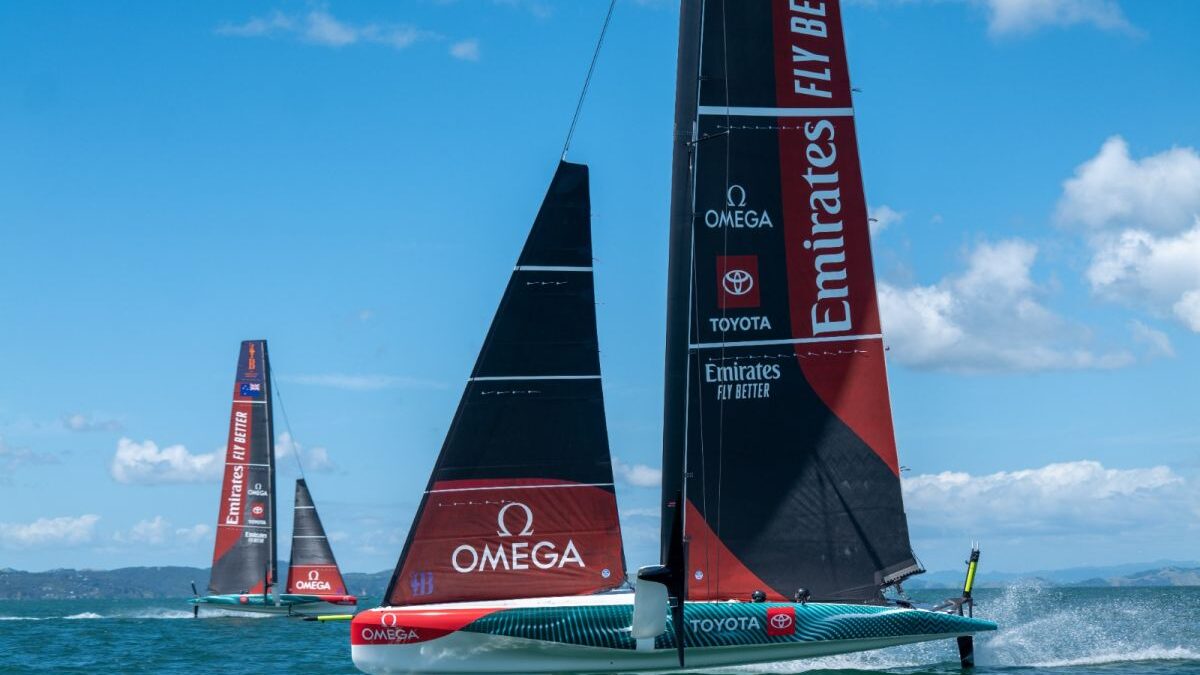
(783, 521)
(245, 563)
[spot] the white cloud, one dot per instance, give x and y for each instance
(1025, 16)
(64, 530)
(319, 27)
(157, 531)
(12, 458)
(1156, 342)
(465, 50)
(883, 216)
(314, 459)
(1141, 220)
(144, 463)
(193, 534)
(637, 475)
(986, 318)
(364, 382)
(153, 532)
(84, 423)
(1160, 192)
(1066, 498)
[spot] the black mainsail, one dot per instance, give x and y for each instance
(244, 559)
(521, 502)
(778, 423)
(313, 569)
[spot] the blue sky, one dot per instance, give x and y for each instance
(352, 181)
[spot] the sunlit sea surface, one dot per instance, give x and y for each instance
(1150, 631)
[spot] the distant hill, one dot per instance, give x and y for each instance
(175, 582)
(140, 582)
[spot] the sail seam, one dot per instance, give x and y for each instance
(501, 378)
(791, 341)
(551, 268)
(515, 487)
(748, 111)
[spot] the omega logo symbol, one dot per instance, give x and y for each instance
(313, 575)
(737, 282)
(525, 531)
(388, 620)
(735, 196)
(781, 622)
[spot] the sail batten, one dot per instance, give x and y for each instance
(778, 416)
(521, 501)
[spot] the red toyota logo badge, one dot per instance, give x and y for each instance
(781, 621)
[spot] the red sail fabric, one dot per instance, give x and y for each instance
(787, 443)
(490, 540)
(244, 559)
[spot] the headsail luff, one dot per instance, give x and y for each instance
(244, 558)
(521, 501)
(775, 356)
(313, 569)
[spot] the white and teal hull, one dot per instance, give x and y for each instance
(592, 635)
(282, 605)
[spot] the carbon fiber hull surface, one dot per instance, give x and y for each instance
(591, 635)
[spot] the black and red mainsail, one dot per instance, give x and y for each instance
(521, 501)
(778, 420)
(244, 559)
(313, 569)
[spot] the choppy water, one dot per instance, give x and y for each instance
(1043, 631)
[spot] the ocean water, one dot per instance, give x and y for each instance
(1150, 631)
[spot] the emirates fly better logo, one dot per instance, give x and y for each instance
(737, 281)
(514, 551)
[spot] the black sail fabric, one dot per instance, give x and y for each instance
(521, 501)
(244, 559)
(313, 570)
(777, 406)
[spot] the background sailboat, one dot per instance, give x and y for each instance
(245, 561)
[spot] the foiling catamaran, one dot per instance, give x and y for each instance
(783, 522)
(245, 563)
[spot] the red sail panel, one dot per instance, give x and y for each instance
(244, 553)
(491, 540)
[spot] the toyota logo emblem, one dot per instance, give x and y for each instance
(737, 282)
(525, 531)
(388, 620)
(781, 622)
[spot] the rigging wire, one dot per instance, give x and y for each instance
(288, 425)
(587, 81)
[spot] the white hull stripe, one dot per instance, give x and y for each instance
(506, 378)
(793, 341)
(519, 487)
(246, 400)
(775, 112)
(550, 268)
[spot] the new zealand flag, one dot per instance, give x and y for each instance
(251, 389)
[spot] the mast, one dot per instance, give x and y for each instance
(679, 267)
(777, 421)
(269, 404)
